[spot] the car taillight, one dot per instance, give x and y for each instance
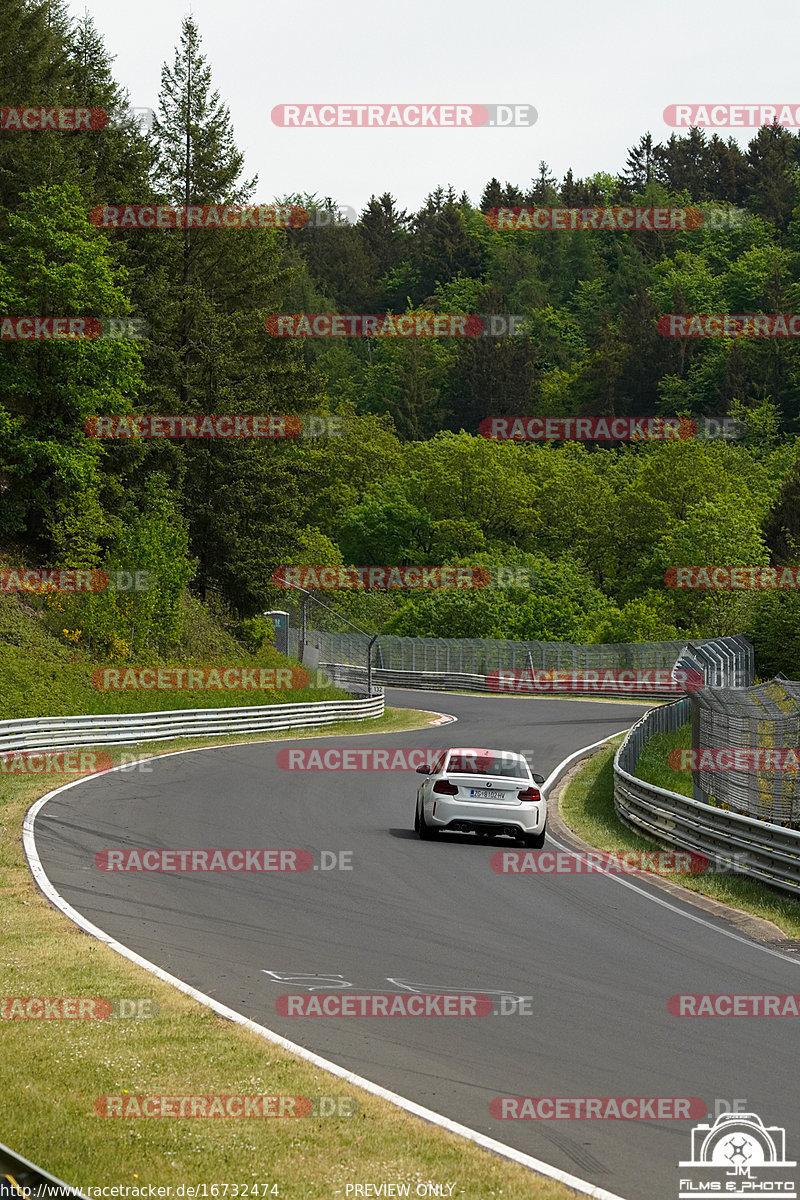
(445, 789)
(529, 794)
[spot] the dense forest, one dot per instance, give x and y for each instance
(409, 480)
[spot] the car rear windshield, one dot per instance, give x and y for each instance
(485, 764)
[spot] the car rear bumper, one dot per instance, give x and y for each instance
(477, 816)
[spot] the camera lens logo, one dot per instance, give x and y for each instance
(737, 1155)
(738, 1150)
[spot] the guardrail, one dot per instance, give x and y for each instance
(748, 846)
(343, 674)
(28, 1180)
(346, 674)
(125, 729)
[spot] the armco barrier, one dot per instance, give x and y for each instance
(344, 674)
(26, 1180)
(771, 853)
(124, 729)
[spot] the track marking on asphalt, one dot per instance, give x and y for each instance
(690, 916)
(410, 1106)
(367, 1085)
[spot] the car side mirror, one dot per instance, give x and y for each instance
(538, 779)
(423, 771)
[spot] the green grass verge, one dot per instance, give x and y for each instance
(54, 1070)
(587, 808)
(43, 676)
(653, 765)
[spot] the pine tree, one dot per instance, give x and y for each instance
(728, 171)
(211, 293)
(383, 228)
(197, 159)
(640, 166)
(543, 188)
(443, 248)
(686, 164)
(113, 163)
(492, 196)
(773, 182)
(34, 71)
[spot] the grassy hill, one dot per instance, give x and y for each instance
(42, 675)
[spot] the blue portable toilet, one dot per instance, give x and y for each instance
(280, 620)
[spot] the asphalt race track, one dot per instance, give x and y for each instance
(599, 957)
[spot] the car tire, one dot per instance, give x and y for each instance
(534, 841)
(423, 828)
(416, 817)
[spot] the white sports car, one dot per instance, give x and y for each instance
(491, 792)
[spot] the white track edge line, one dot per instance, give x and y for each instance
(367, 1085)
(615, 878)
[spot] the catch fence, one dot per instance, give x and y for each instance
(465, 663)
(762, 718)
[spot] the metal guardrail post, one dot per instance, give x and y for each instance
(369, 664)
(302, 647)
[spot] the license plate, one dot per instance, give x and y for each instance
(477, 794)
